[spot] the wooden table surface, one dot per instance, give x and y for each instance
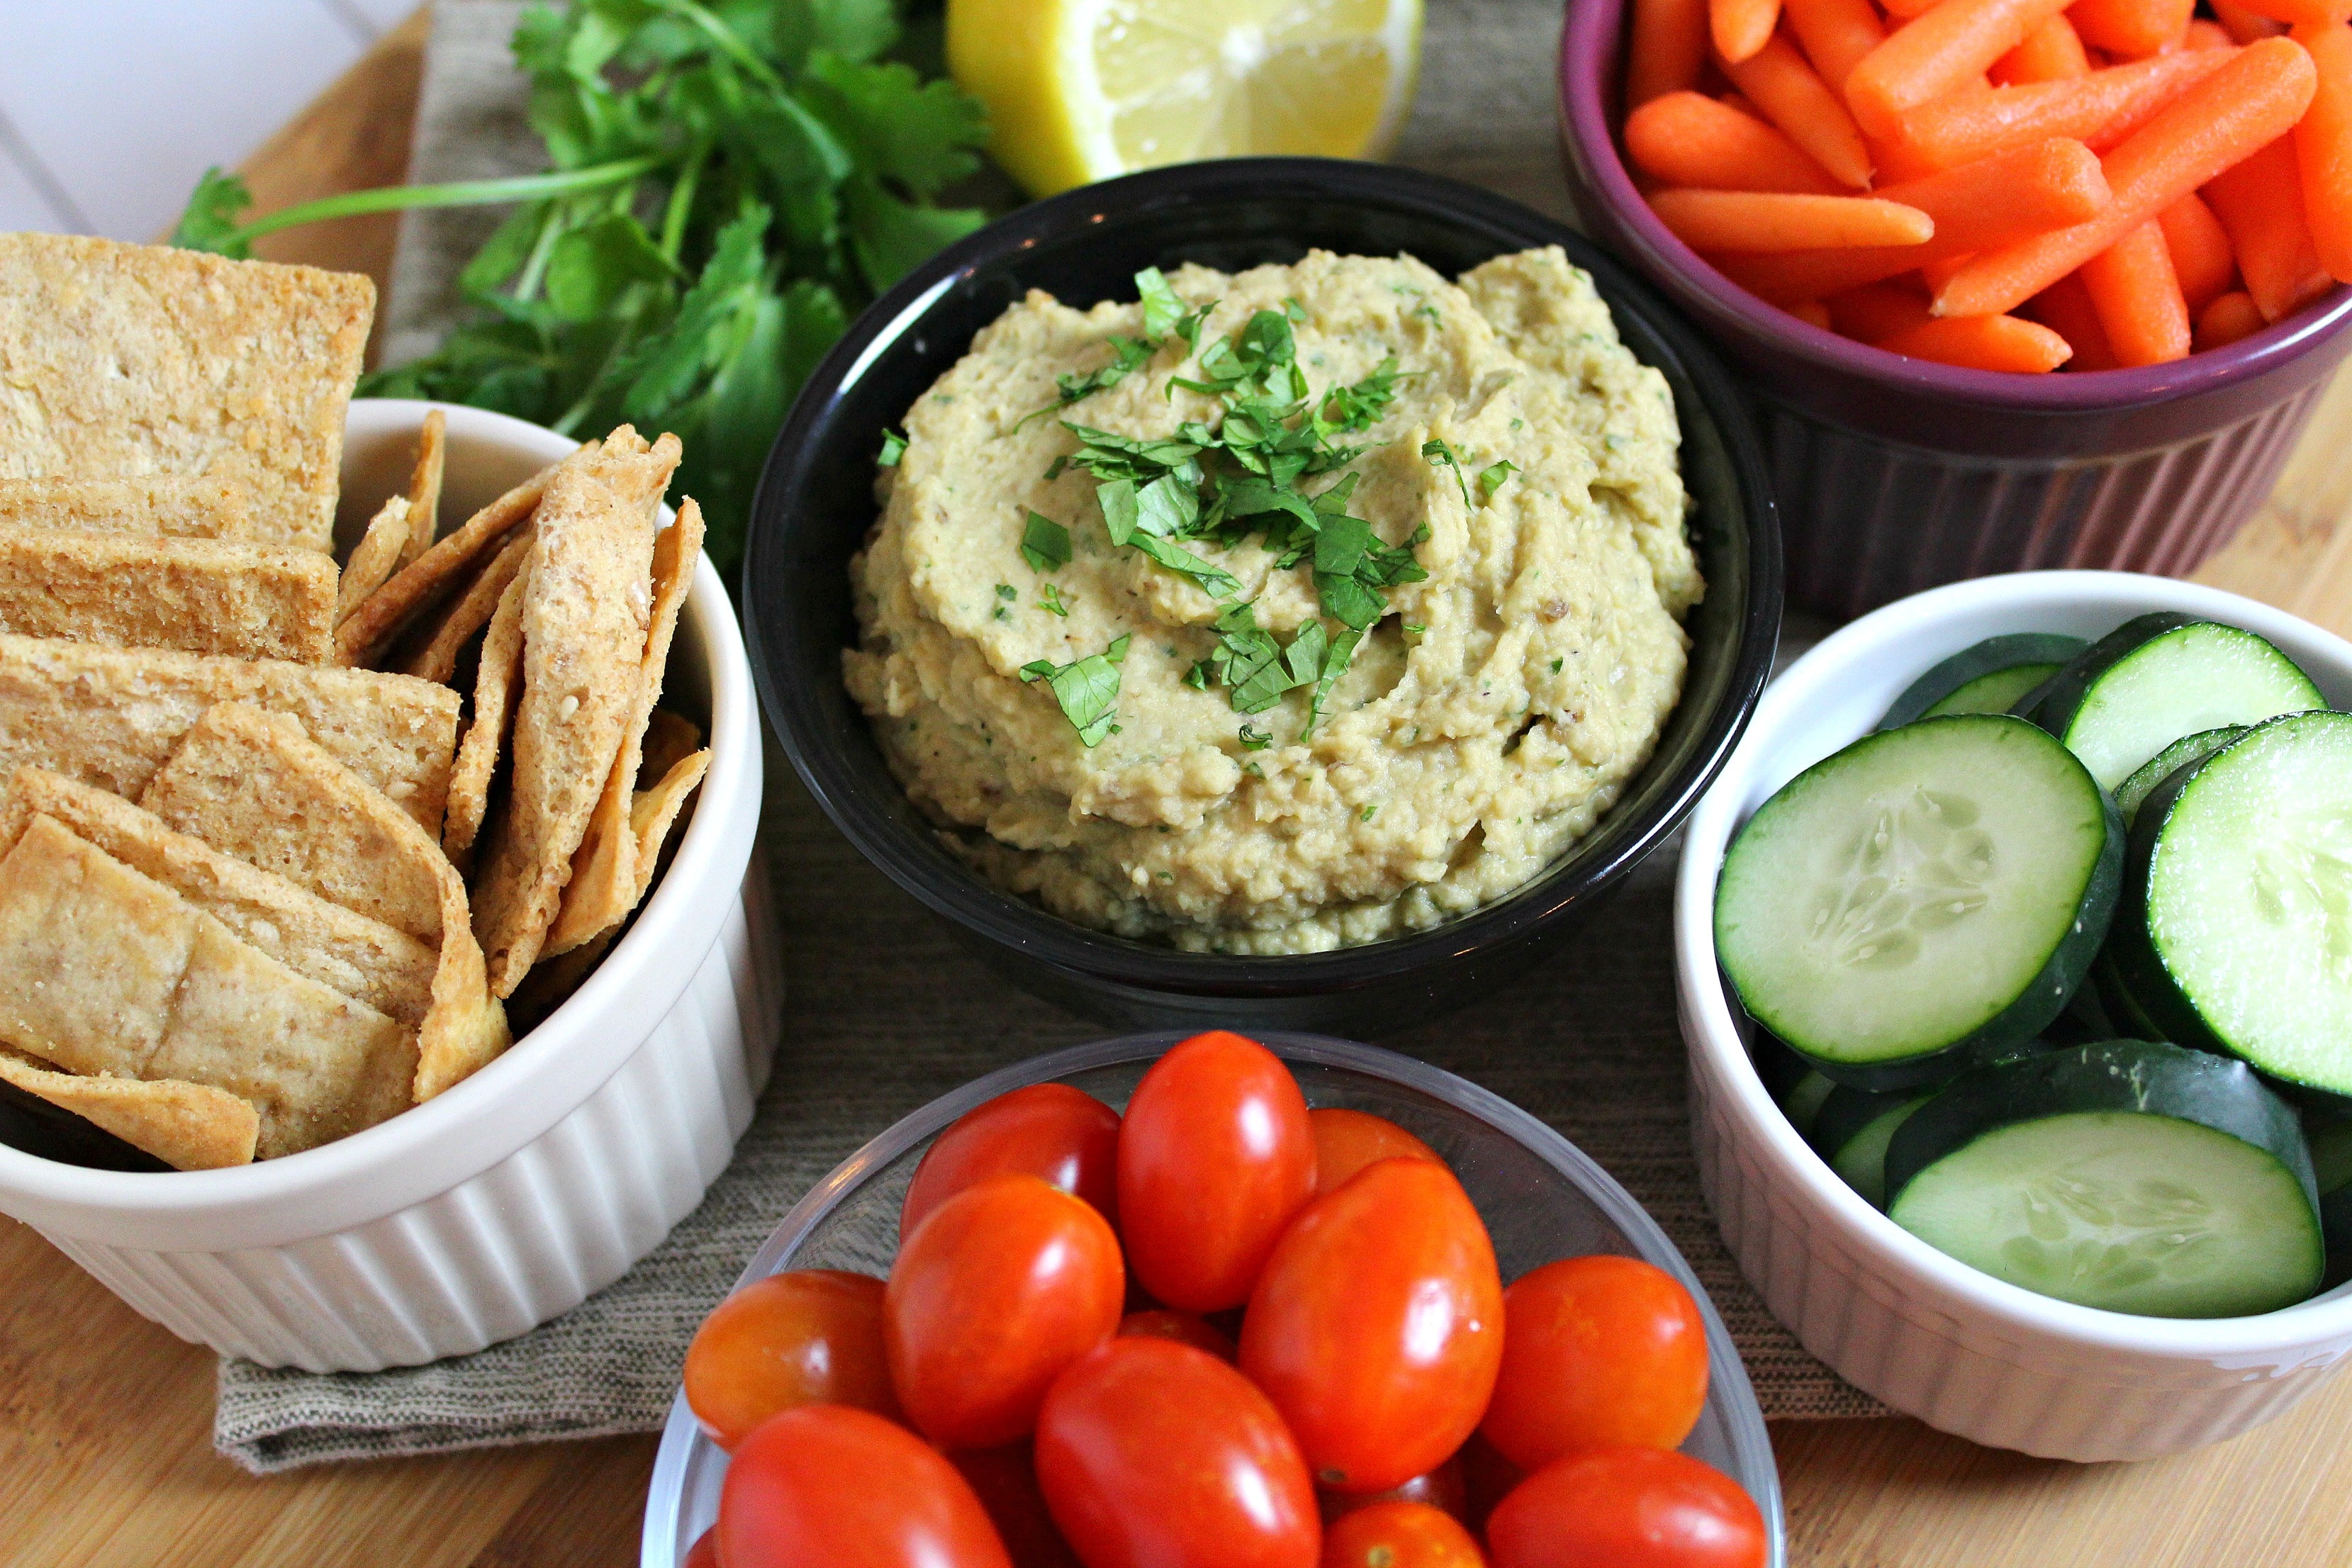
(106, 1454)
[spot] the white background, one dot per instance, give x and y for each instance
(110, 109)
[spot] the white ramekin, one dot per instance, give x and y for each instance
(1930, 1336)
(508, 1200)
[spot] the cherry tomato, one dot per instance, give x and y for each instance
(1348, 1140)
(1005, 1481)
(1183, 1328)
(1400, 1535)
(812, 1336)
(1377, 1327)
(1050, 1130)
(1441, 1489)
(826, 1486)
(1215, 1159)
(1597, 1352)
(704, 1552)
(998, 1289)
(1626, 1508)
(1154, 1455)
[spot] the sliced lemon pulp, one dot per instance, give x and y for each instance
(1082, 89)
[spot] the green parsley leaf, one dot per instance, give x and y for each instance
(1044, 543)
(894, 446)
(1335, 664)
(1214, 581)
(1556, 665)
(1294, 310)
(1255, 739)
(1491, 479)
(210, 222)
(1086, 690)
(1049, 599)
(1163, 307)
(1438, 455)
(1372, 809)
(1006, 591)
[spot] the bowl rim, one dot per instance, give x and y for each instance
(972, 903)
(430, 1148)
(1751, 1439)
(1590, 38)
(1764, 1133)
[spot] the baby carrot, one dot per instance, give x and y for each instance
(2199, 248)
(2051, 52)
(1812, 313)
(1904, 10)
(2132, 28)
(2137, 298)
(1937, 54)
(1777, 80)
(1688, 139)
(2242, 25)
(2301, 13)
(2322, 148)
(1741, 26)
(1984, 342)
(2204, 34)
(2253, 100)
(2260, 202)
(1834, 35)
(1877, 312)
(2233, 316)
(1748, 221)
(2066, 310)
(1669, 48)
(2100, 109)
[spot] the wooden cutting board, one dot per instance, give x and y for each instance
(106, 1453)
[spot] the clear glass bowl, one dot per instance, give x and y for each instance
(1542, 1197)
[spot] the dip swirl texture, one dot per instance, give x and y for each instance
(1484, 722)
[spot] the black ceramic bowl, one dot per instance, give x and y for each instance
(815, 502)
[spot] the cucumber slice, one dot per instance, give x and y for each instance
(2182, 753)
(2129, 1175)
(1802, 1104)
(1988, 678)
(2237, 927)
(2154, 679)
(1852, 1130)
(1790, 1080)
(1921, 901)
(2331, 1173)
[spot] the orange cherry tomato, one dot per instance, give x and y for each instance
(1377, 1327)
(828, 1487)
(1348, 1140)
(1400, 1535)
(1215, 1157)
(1626, 1508)
(1005, 1481)
(704, 1552)
(999, 1288)
(812, 1336)
(1154, 1455)
(1598, 1352)
(1441, 1489)
(1050, 1130)
(1183, 1328)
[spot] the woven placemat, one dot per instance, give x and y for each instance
(885, 1010)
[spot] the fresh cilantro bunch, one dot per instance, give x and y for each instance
(729, 181)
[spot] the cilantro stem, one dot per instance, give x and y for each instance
(458, 194)
(725, 37)
(534, 267)
(682, 201)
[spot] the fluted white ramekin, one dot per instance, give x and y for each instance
(1930, 1336)
(510, 1198)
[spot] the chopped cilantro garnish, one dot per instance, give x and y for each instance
(1491, 479)
(1164, 315)
(1087, 689)
(1007, 591)
(1255, 739)
(1370, 811)
(1441, 456)
(1294, 310)
(894, 446)
(1049, 599)
(1555, 664)
(1044, 543)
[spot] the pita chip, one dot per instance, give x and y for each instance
(109, 717)
(670, 736)
(378, 618)
(375, 557)
(124, 361)
(197, 596)
(655, 812)
(437, 660)
(586, 614)
(497, 686)
(159, 506)
(362, 958)
(188, 1126)
(605, 884)
(424, 487)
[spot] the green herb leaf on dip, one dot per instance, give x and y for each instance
(1491, 479)
(1044, 543)
(1438, 455)
(1087, 689)
(894, 446)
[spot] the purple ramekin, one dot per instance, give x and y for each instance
(1897, 474)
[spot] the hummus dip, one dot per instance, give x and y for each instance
(1458, 696)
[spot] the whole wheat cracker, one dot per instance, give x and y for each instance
(586, 611)
(120, 361)
(467, 613)
(188, 1126)
(200, 1006)
(159, 506)
(605, 884)
(380, 617)
(250, 784)
(424, 486)
(197, 596)
(375, 557)
(364, 959)
(498, 686)
(111, 716)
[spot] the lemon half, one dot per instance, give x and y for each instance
(1082, 89)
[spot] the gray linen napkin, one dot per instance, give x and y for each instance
(885, 1012)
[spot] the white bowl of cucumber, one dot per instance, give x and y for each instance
(2022, 1046)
